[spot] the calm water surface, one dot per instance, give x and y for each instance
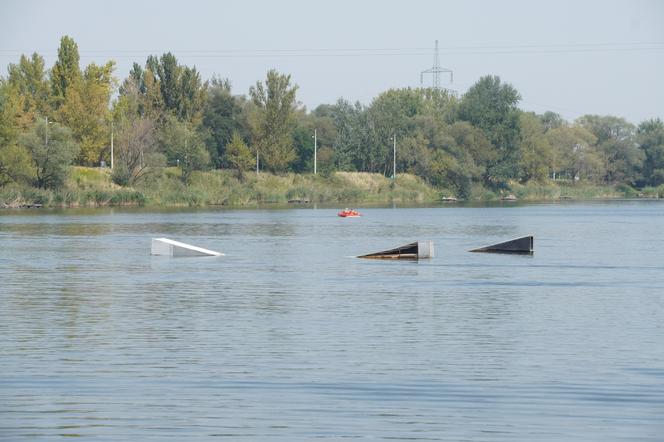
(289, 338)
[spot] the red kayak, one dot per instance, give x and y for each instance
(349, 213)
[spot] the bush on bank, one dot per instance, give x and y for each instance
(93, 187)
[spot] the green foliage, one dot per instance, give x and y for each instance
(136, 150)
(85, 111)
(536, 154)
(653, 192)
(52, 149)
(65, 71)
(165, 113)
(183, 147)
(238, 155)
(616, 145)
(491, 106)
(15, 165)
(273, 119)
(121, 174)
(223, 115)
(575, 156)
(30, 80)
(551, 120)
(13, 118)
(650, 137)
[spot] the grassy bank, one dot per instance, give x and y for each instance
(89, 187)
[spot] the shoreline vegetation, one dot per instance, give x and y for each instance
(175, 139)
(94, 187)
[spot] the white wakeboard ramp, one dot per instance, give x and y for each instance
(169, 247)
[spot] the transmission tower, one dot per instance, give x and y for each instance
(436, 70)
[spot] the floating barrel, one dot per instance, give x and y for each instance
(522, 245)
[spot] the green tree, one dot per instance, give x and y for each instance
(184, 147)
(451, 149)
(30, 80)
(13, 119)
(166, 87)
(303, 140)
(575, 154)
(182, 91)
(551, 120)
(472, 140)
(536, 156)
(85, 111)
(414, 155)
(136, 143)
(238, 155)
(351, 133)
(492, 106)
(142, 83)
(53, 149)
(224, 114)
(15, 160)
(65, 71)
(393, 112)
(273, 119)
(650, 137)
(617, 145)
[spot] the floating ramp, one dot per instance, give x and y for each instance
(416, 250)
(168, 247)
(522, 245)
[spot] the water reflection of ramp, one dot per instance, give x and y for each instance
(523, 245)
(416, 250)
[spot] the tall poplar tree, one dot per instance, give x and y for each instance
(273, 120)
(66, 71)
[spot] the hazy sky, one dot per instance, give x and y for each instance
(571, 57)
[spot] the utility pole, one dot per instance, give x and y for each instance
(111, 144)
(46, 136)
(256, 161)
(315, 148)
(394, 156)
(436, 70)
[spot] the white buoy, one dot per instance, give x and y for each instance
(168, 247)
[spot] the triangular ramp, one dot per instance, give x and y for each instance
(415, 250)
(169, 247)
(523, 245)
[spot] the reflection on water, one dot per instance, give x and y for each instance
(288, 337)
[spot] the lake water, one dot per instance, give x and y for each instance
(290, 338)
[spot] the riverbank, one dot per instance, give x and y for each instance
(92, 187)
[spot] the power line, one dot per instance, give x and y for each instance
(368, 52)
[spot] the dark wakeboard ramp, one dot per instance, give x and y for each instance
(523, 245)
(416, 250)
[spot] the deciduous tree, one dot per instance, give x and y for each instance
(492, 106)
(183, 147)
(650, 136)
(273, 120)
(53, 149)
(66, 71)
(238, 155)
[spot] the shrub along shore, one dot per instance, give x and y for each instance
(93, 187)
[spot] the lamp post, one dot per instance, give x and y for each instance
(111, 144)
(394, 156)
(315, 148)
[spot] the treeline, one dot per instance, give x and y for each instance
(165, 114)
